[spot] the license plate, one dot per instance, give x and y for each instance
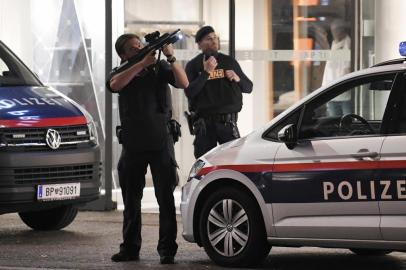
(58, 192)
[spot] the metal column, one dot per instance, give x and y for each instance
(108, 149)
(232, 29)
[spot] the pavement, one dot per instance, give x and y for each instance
(93, 237)
(87, 243)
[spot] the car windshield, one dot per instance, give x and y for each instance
(13, 72)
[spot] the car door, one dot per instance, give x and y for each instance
(392, 175)
(324, 186)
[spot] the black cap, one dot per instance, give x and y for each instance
(205, 30)
(120, 42)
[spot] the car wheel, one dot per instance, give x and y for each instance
(52, 219)
(232, 230)
(370, 252)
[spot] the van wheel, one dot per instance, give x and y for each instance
(52, 219)
(370, 252)
(232, 229)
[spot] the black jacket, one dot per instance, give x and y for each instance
(145, 108)
(214, 93)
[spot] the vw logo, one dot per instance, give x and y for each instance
(53, 139)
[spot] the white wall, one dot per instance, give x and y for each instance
(15, 28)
(215, 13)
(260, 68)
(244, 39)
(158, 10)
(390, 16)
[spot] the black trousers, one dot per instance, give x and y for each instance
(210, 132)
(132, 168)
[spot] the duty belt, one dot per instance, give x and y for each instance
(226, 117)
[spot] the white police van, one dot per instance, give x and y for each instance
(49, 152)
(327, 172)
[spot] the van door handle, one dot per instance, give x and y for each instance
(365, 155)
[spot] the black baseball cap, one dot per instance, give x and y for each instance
(121, 40)
(202, 32)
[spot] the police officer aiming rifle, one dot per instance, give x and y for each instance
(142, 84)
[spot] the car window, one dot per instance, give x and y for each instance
(353, 109)
(395, 114)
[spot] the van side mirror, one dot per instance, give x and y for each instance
(288, 135)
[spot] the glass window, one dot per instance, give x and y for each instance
(357, 108)
(319, 35)
(12, 71)
(3, 68)
(395, 114)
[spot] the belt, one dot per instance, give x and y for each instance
(224, 117)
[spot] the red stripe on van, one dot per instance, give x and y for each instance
(45, 122)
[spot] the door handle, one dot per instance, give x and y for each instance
(365, 155)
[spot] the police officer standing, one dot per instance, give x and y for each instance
(144, 115)
(214, 93)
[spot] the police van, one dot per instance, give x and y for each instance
(328, 172)
(49, 152)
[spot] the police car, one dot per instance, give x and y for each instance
(49, 152)
(328, 172)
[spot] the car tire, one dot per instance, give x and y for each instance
(370, 252)
(52, 219)
(231, 216)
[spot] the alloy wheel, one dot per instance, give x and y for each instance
(228, 227)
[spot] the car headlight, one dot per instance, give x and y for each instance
(195, 169)
(93, 132)
(91, 127)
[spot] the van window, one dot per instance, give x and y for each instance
(3, 68)
(13, 72)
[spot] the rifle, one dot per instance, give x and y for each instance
(155, 42)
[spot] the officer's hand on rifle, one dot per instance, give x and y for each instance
(168, 50)
(210, 64)
(148, 60)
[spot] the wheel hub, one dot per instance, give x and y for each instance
(228, 227)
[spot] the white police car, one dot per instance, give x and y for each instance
(328, 172)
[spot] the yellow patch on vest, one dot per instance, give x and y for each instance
(216, 74)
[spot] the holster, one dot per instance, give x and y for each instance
(174, 129)
(119, 129)
(199, 127)
(190, 118)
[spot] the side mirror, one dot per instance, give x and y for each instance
(288, 135)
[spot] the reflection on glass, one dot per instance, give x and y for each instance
(311, 26)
